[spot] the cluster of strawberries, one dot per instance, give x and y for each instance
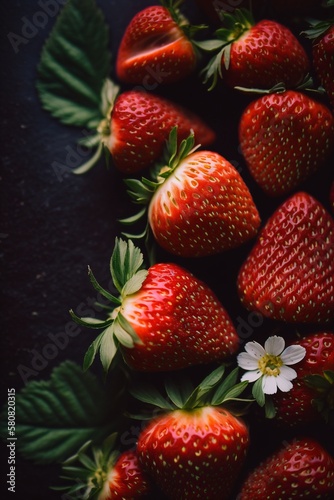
(195, 203)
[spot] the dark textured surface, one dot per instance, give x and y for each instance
(53, 224)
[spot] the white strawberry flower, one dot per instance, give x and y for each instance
(268, 366)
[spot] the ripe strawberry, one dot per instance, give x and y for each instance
(302, 468)
(312, 395)
(289, 274)
(285, 137)
(200, 204)
(258, 55)
(140, 123)
(155, 48)
(322, 34)
(197, 447)
(107, 475)
(165, 318)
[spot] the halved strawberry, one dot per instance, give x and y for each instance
(255, 55)
(105, 473)
(199, 204)
(289, 273)
(301, 468)
(197, 447)
(285, 137)
(164, 318)
(137, 126)
(155, 48)
(311, 398)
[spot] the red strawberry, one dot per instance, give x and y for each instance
(312, 395)
(200, 204)
(140, 124)
(285, 137)
(322, 34)
(155, 48)
(302, 468)
(108, 475)
(165, 318)
(258, 55)
(196, 448)
(289, 274)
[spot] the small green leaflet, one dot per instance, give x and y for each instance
(55, 417)
(74, 64)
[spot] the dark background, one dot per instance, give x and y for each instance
(53, 223)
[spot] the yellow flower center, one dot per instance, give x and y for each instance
(270, 365)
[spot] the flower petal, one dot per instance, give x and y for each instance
(251, 376)
(288, 373)
(269, 385)
(293, 354)
(283, 384)
(274, 345)
(255, 349)
(247, 362)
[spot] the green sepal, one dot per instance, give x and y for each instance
(323, 387)
(269, 407)
(89, 472)
(258, 393)
(150, 395)
(229, 390)
(200, 395)
(317, 28)
(102, 290)
(189, 30)
(178, 393)
(125, 262)
(92, 352)
(128, 221)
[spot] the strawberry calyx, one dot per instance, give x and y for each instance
(216, 389)
(323, 386)
(142, 191)
(236, 25)
(306, 85)
(317, 28)
(88, 473)
(100, 139)
(173, 6)
(128, 275)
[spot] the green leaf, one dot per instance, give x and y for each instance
(258, 393)
(55, 417)
(74, 63)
